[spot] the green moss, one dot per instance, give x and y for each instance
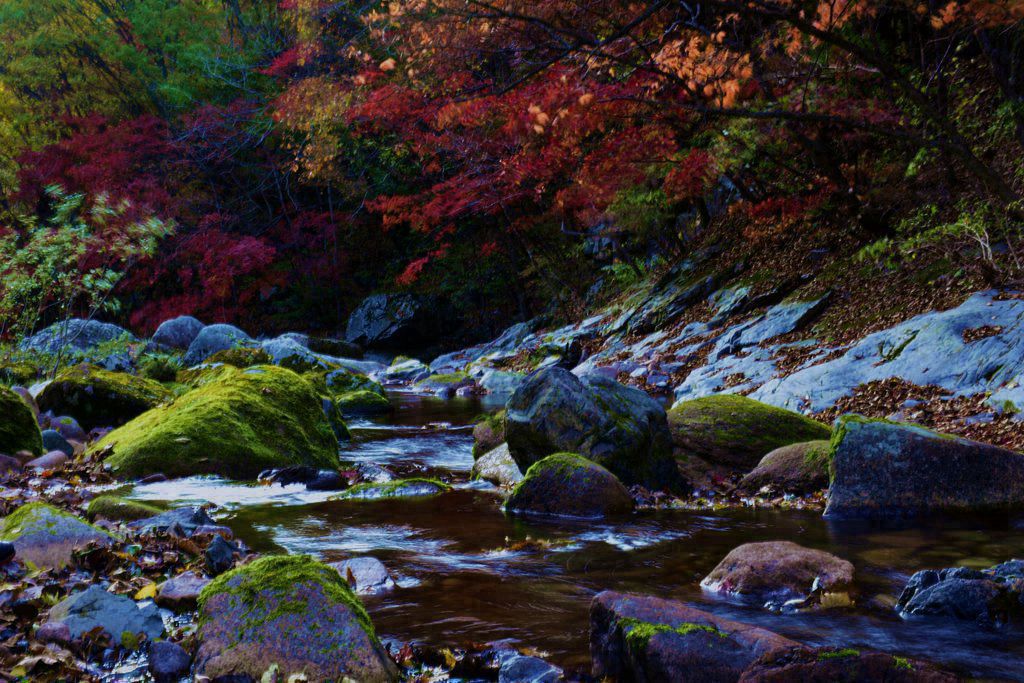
(279, 575)
(489, 433)
(845, 653)
(19, 430)
(201, 374)
(391, 489)
(98, 397)
(639, 633)
(449, 379)
(160, 367)
(235, 425)
(817, 454)
(842, 428)
(18, 373)
(120, 509)
(902, 663)
(342, 380)
(26, 517)
(362, 402)
(242, 357)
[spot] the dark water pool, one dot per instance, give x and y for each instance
(463, 577)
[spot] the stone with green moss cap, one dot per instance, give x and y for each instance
(362, 402)
(45, 536)
(569, 485)
(737, 431)
(882, 469)
(293, 612)
(445, 385)
(416, 487)
(799, 468)
(643, 638)
(120, 509)
(238, 424)
(241, 357)
(488, 433)
(19, 430)
(100, 398)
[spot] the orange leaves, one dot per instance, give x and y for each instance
(708, 68)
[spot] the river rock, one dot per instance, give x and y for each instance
(394, 321)
(168, 662)
(327, 480)
(779, 571)
(219, 556)
(291, 611)
(620, 428)
(100, 398)
(647, 639)
(48, 461)
(523, 669)
(404, 369)
(186, 520)
(736, 431)
(399, 488)
(177, 333)
(362, 402)
(66, 426)
(446, 386)
(883, 469)
(19, 430)
(498, 467)
(500, 382)
(569, 485)
(365, 574)
(327, 346)
(115, 614)
(991, 597)
(488, 433)
(53, 441)
(237, 425)
(46, 536)
(77, 335)
(799, 468)
(828, 665)
(120, 509)
(181, 593)
(214, 338)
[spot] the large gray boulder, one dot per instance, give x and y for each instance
(76, 335)
(177, 333)
(394, 321)
(883, 469)
(214, 338)
(621, 428)
(116, 615)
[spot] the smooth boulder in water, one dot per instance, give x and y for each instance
(415, 487)
(19, 430)
(100, 398)
(883, 469)
(236, 425)
(291, 611)
(618, 427)
(569, 485)
(736, 431)
(988, 598)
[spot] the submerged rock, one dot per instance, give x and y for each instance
(19, 430)
(828, 665)
(569, 485)
(100, 398)
(291, 611)
(498, 467)
(236, 425)
(736, 431)
(620, 428)
(883, 469)
(46, 537)
(798, 468)
(365, 574)
(214, 338)
(399, 488)
(116, 615)
(779, 571)
(647, 639)
(177, 333)
(992, 597)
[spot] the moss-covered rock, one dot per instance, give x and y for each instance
(798, 468)
(488, 434)
(120, 509)
(19, 430)
(341, 380)
(45, 536)
(445, 385)
(362, 402)
(100, 398)
(737, 431)
(241, 357)
(238, 424)
(18, 373)
(292, 612)
(415, 487)
(569, 485)
(160, 367)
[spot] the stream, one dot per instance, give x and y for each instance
(463, 577)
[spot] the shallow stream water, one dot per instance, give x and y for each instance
(459, 583)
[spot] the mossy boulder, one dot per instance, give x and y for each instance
(737, 431)
(241, 357)
(45, 536)
(100, 398)
(292, 612)
(799, 468)
(214, 338)
(445, 385)
(489, 433)
(399, 488)
(19, 430)
(237, 425)
(341, 380)
(882, 469)
(362, 402)
(568, 485)
(618, 427)
(18, 373)
(120, 509)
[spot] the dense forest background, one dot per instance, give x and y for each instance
(270, 163)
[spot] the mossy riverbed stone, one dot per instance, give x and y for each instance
(100, 398)
(488, 433)
(400, 488)
(737, 431)
(19, 430)
(799, 468)
(45, 536)
(362, 402)
(119, 509)
(291, 611)
(236, 425)
(569, 485)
